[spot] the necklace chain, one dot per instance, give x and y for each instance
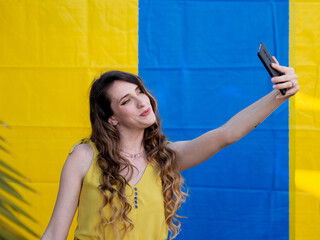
(136, 155)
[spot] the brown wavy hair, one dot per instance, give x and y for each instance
(107, 140)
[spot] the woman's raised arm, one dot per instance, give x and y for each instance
(73, 172)
(193, 152)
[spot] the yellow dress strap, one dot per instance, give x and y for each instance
(82, 141)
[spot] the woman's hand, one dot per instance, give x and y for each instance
(287, 81)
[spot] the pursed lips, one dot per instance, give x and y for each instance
(146, 112)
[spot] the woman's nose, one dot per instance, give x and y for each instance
(141, 103)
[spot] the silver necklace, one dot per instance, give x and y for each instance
(136, 155)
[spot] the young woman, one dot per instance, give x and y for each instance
(126, 178)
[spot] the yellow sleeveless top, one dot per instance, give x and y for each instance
(147, 214)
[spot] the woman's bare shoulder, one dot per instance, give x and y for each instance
(80, 158)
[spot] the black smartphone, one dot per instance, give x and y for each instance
(266, 59)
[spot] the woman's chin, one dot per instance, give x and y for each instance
(150, 123)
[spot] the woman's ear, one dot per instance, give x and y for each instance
(113, 121)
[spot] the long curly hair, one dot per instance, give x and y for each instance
(107, 140)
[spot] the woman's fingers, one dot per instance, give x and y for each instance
(282, 69)
(284, 85)
(288, 80)
(274, 58)
(284, 78)
(291, 86)
(290, 92)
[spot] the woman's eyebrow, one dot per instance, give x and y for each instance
(128, 94)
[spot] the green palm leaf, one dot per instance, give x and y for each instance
(6, 166)
(4, 149)
(4, 211)
(10, 190)
(12, 179)
(15, 208)
(7, 233)
(4, 124)
(8, 209)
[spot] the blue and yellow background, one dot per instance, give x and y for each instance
(199, 59)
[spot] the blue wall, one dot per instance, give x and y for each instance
(199, 58)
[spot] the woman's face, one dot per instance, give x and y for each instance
(131, 107)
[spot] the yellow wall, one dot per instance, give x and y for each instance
(50, 52)
(305, 121)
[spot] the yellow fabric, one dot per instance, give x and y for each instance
(305, 121)
(148, 218)
(50, 51)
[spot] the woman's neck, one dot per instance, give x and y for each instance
(131, 141)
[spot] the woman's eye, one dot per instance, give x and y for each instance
(140, 91)
(125, 102)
